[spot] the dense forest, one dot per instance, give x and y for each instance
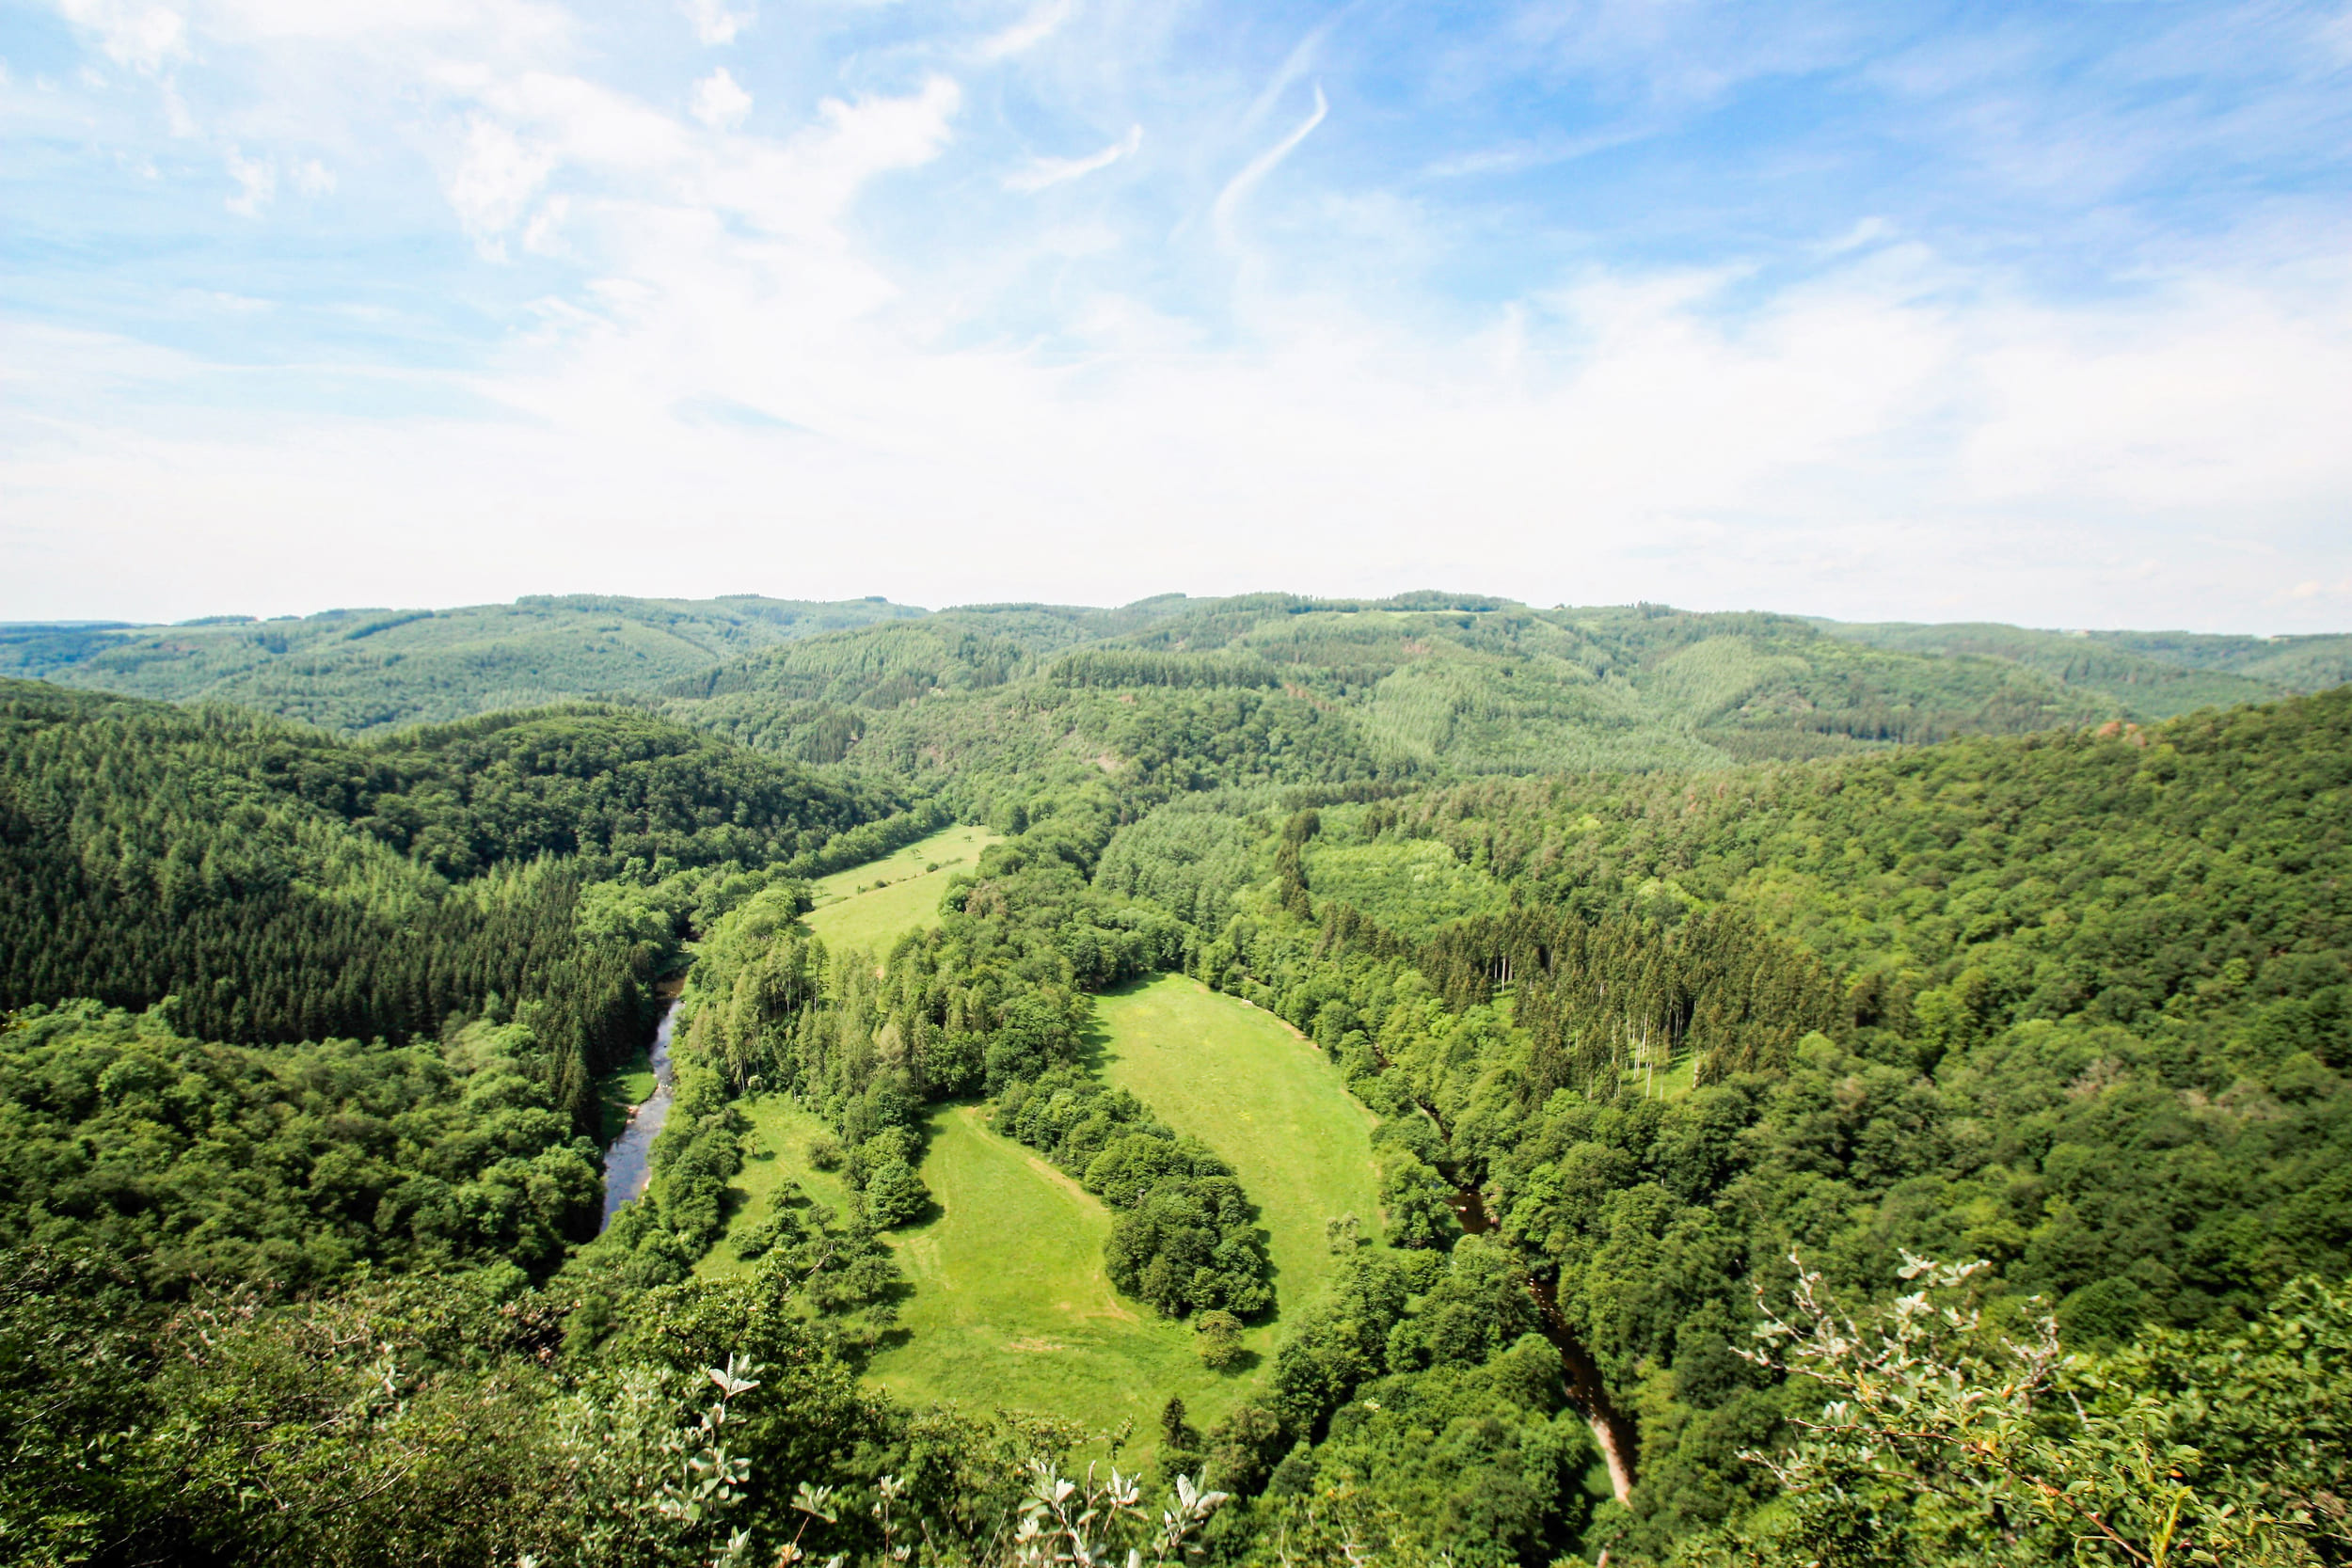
(1948, 1023)
(261, 882)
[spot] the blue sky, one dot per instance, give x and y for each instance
(2032, 312)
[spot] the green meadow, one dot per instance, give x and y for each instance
(1012, 1308)
(776, 1152)
(1249, 1087)
(870, 906)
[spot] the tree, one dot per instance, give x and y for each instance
(1949, 1443)
(895, 1195)
(1219, 1332)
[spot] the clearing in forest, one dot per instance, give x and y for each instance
(871, 906)
(1245, 1084)
(1011, 1308)
(778, 1152)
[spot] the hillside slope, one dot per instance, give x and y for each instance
(1277, 688)
(279, 884)
(367, 671)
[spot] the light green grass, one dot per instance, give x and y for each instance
(621, 1090)
(907, 900)
(777, 1153)
(1011, 1308)
(1670, 1082)
(1246, 1084)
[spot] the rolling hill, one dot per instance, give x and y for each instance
(365, 672)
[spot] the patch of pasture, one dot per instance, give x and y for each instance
(1011, 1308)
(1245, 1084)
(777, 1152)
(869, 906)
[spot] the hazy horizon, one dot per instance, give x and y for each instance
(233, 616)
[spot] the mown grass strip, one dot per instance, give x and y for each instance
(869, 906)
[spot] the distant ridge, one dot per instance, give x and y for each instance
(366, 672)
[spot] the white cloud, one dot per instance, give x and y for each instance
(1837, 449)
(256, 183)
(715, 21)
(1043, 172)
(1236, 189)
(731, 339)
(1027, 34)
(720, 101)
(133, 33)
(495, 181)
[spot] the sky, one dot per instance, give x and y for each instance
(2032, 312)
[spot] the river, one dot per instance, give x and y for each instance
(627, 1164)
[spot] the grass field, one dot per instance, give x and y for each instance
(781, 1132)
(1244, 1082)
(899, 895)
(1011, 1308)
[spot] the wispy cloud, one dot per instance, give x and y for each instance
(1042, 172)
(2039, 316)
(1238, 189)
(1027, 34)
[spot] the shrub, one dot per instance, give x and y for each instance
(895, 1195)
(1220, 1340)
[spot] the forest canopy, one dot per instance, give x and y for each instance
(1693, 973)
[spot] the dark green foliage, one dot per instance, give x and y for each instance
(2268, 1406)
(1944, 1440)
(283, 1168)
(2073, 1004)
(2076, 1003)
(1416, 1200)
(2159, 675)
(1185, 1240)
(1620, 995)
(1188, 863)
(279, 885)
(1182, 696)
(1485, 1462)
(624, 792)
(419, 1420)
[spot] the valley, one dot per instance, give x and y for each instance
(1112, 1018)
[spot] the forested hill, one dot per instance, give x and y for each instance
(2076, 1005)
(1420, 686)
(279, 884)
(2073, 1004)
(1270, 688)
(363, 671)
